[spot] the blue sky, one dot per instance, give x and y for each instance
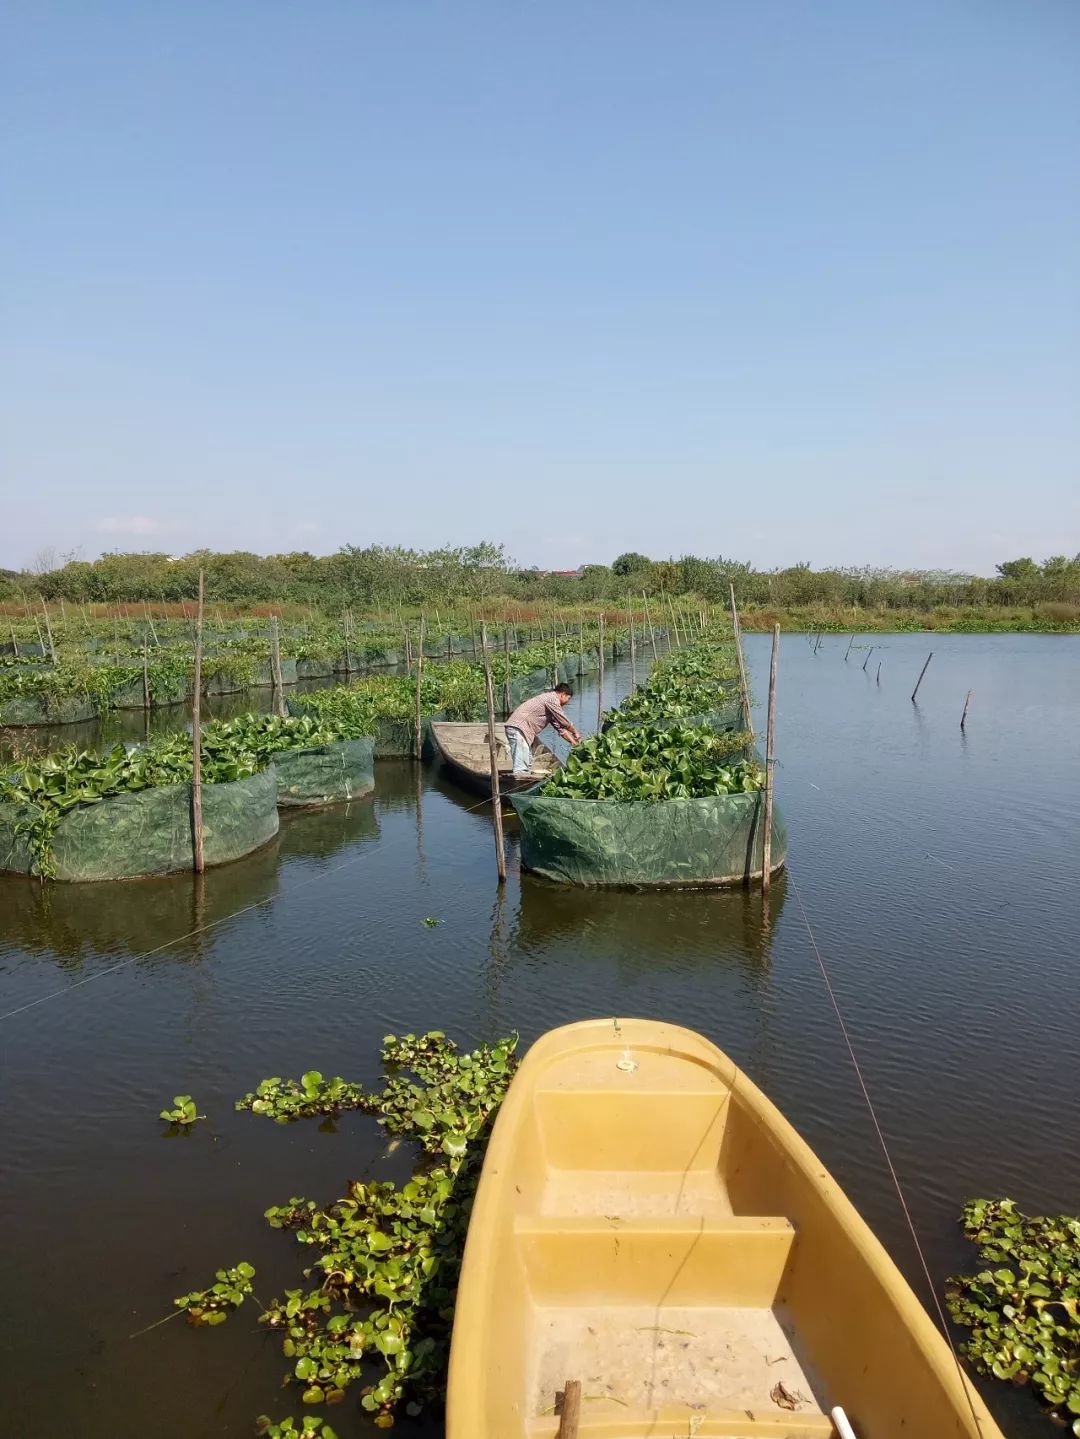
(777, 280)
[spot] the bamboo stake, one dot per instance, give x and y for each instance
(145, 678)
(14, 641)
(869, 652)
(918, 682)
(674, 622)
(40, 637)
(493, 757)
(63, 613)
(196, 741)
(963, 717)
(275, 668)
(850, 642)
(581, 646)
(879, 672)
(737, 628)
(554, 649)
(506, 668)
(48, 630)
(648, 621)
(600, 679)
(633, 655)
(568, 1407)
(770, 741)
(419, 679)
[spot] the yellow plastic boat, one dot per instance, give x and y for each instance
(649, 1224)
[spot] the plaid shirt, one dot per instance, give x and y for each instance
(531, 716)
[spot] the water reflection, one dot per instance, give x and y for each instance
(73, 922)
(660, 929)
(323, 833)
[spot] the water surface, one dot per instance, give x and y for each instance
(936, 870)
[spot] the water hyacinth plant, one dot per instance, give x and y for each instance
(184, 1112)
(213, 1305)
(1023, 1305)
(381, 1262)
(233, 749)
(657, 762)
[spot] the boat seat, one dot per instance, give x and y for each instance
(689, 1260)
(668, 1321)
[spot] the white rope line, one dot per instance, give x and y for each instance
(885, 1151)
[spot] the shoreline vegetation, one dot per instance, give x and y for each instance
(395, 585)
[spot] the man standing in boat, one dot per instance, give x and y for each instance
(529, 719)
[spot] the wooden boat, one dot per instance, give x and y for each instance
(649, 1224)
(463, 749)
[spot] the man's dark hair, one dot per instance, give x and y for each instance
(562, 688)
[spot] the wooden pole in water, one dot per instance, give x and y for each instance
(878, 680)
(918, 682)
(14, 641)
(568, 1406)
(506, 669)
(554, 649)
(633, 652)
(145, 677)
(419, 679)
(963, 717)
(48, 630)
(869, 652)
(770, 763)
(581, 645)
(493, 757)
(275, 668)
(737, 629)
(600, 679)
(196, 742)
(850, 642)
(648, 621)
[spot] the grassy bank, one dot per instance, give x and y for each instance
(1035, 619)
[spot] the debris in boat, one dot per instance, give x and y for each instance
(659, 1329)
(780, 1394)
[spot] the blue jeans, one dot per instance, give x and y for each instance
(520, 750)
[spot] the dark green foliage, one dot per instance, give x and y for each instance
(284, 1100)
(213, 1305)
(1023, 1306)
(382, 1261)
(656, 762)
(311, 1427)
(54, 784)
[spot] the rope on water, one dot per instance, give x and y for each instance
(964, 1383)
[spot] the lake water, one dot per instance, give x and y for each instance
(937, 870)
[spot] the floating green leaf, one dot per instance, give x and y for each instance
(1024, 1317)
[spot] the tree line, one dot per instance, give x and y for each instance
(377, 577)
